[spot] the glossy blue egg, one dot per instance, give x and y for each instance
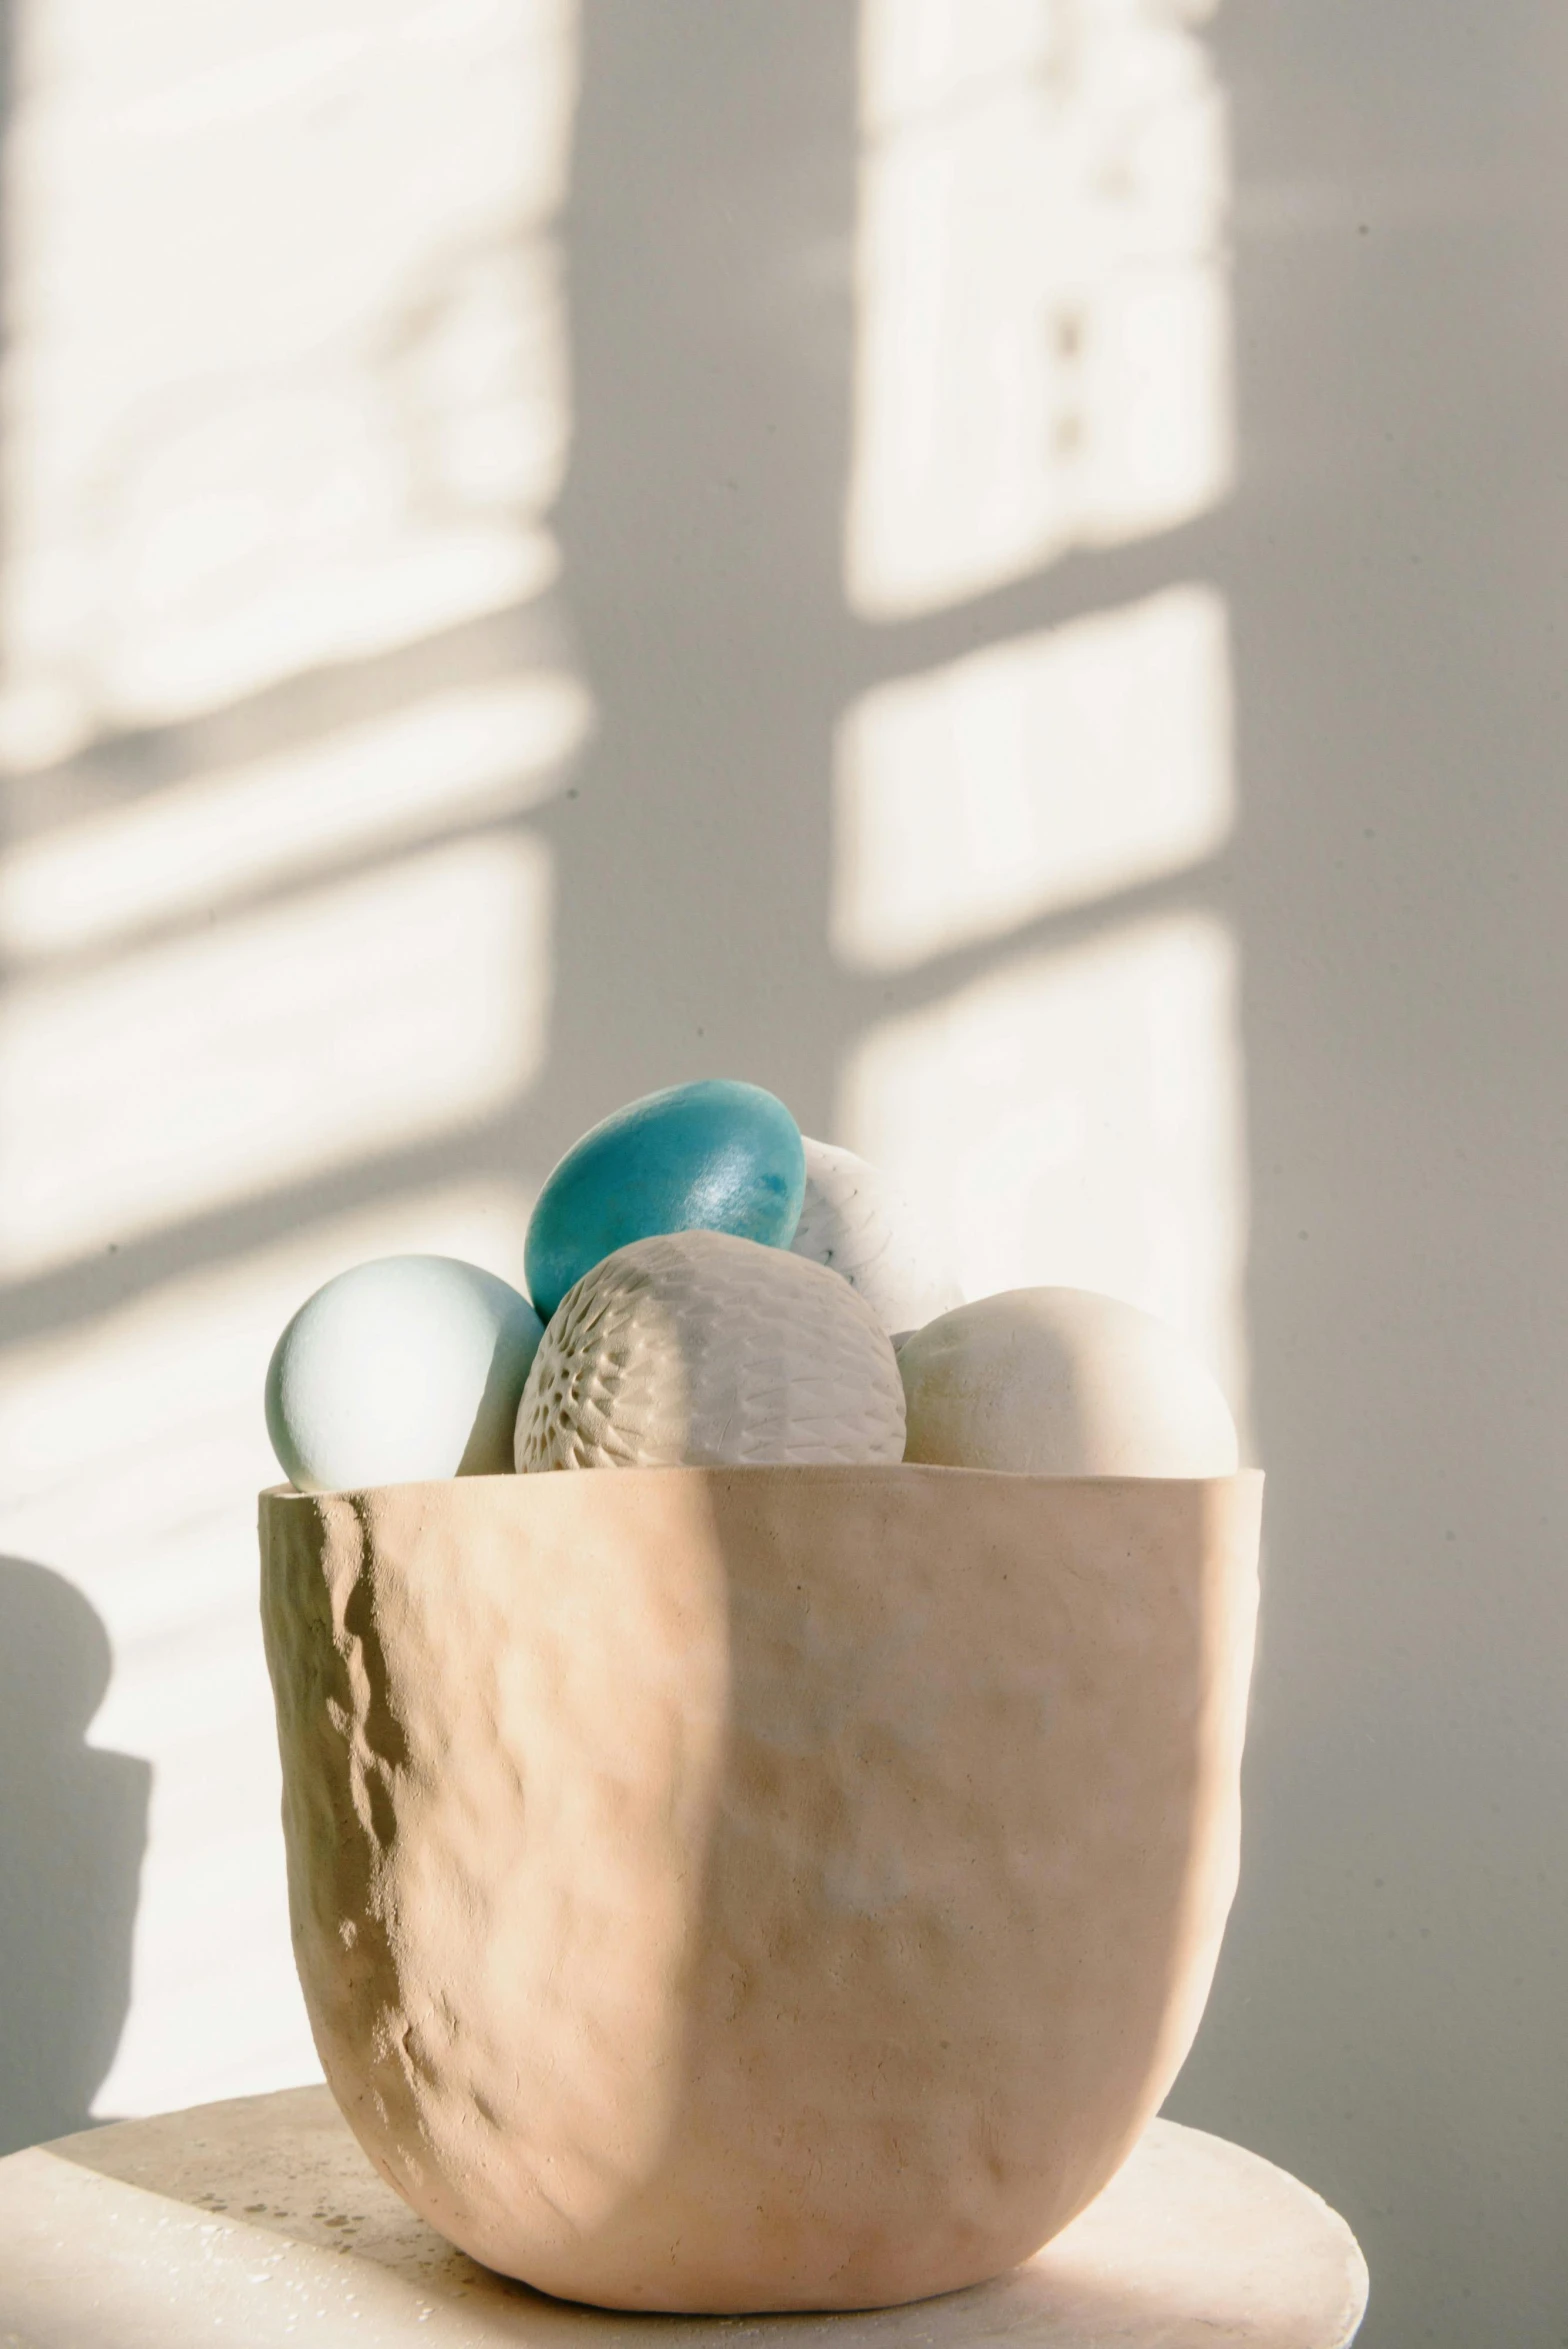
(716, 1156)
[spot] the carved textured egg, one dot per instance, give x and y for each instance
(856, 1220)
(697, 1349)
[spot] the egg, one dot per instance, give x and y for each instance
(1060, 1382)
(700, 1349)
(405, 1368)
(714, 1156)
(855, 1220)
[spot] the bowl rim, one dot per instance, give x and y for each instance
(820, 1472)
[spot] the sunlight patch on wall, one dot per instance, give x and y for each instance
(285, 376)
(1043, 319)
(131, 1452)
(206, 1070)
(284, 386)
(1032, 776)
(1076, 1120)
(484, 751)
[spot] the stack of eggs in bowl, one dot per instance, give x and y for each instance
(787, 1872)
(709, 1288)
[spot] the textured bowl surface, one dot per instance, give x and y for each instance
(741, 1889)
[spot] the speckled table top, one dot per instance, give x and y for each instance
(260, 2223)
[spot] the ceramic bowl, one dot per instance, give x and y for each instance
(743, 1889)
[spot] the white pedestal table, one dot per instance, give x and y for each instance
(260, 2223)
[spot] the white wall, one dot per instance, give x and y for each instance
(1389, 2014)
(988, 564)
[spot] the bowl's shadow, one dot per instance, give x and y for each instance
(73, 1827)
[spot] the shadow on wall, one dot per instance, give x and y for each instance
(708, 230)
(73, 1825)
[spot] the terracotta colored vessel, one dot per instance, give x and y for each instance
(740, 1889)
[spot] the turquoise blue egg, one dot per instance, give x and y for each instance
(716, 1156)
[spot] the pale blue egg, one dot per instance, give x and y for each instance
(407, 1368)
(714, 1156)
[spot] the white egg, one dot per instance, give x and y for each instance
(1060, 1382)
(856, 1220)
(700, 1349)
(406, 1368)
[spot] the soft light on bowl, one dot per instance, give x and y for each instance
(741, 1889)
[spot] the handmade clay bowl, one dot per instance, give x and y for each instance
(759, 1888)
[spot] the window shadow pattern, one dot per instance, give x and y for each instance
(710, 243)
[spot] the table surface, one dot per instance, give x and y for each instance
(260, 2223)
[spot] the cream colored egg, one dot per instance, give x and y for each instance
(1060, 1382)
(699, 1349)
(856, 1220)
